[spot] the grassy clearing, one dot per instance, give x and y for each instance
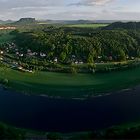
(68, 85)
(87, 25)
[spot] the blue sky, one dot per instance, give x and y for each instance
(71, 9)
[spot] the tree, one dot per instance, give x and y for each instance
(62, 57)
(121, 55)
(90, 59)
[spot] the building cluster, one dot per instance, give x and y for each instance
(11, 48)
(7, 28)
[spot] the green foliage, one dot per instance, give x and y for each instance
(62, 57)
(73, 70)
(78, 85)
(7, 132)
(5, 82)
(121, 55)
(99, 46)
(90, 59)
(6, 37)
(92, 67)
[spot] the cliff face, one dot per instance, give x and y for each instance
(26, 21)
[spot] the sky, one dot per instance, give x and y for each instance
(70, 9)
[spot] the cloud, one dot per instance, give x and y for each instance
(91, 2)
(5, 4)
(61, 9)
(15, 9)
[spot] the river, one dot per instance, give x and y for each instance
(67, 115)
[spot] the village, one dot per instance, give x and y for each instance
(7, 28)
(10, 49)
(14, 57)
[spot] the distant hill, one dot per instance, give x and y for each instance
(66, 21)
(74, 21)
(123, 25)
(6, 21)
(25, 21)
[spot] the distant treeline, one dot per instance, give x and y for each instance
(123, 25)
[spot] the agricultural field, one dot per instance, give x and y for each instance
(87, 25)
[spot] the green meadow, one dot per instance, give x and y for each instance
(70, 85)
(87, 25)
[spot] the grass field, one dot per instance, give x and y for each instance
(69, 85)
(87, 25)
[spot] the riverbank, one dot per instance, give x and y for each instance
(98, 95)
(69, 85)
(123, 131)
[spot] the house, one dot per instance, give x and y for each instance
(1, 52)
(99, 57)
(21, 55)
(43, 55)
(17, 53)
(56, 60)
(20, 68)
(81, 62)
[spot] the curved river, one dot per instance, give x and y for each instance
(67, 115)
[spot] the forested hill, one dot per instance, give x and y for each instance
(100, 46)
(122, 25)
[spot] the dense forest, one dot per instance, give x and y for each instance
(68, 49)
(102, 45)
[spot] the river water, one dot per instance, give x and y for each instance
(67, 115)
